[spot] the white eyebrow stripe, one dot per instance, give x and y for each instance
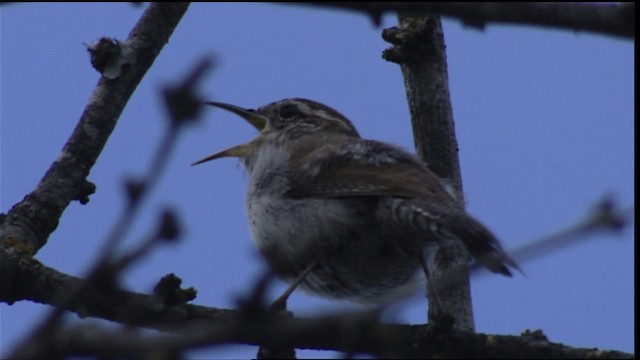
(305, 108)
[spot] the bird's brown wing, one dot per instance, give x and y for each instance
(370, 168)
(357, 167)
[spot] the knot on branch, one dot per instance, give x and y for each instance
(169, 290)
(411, 40)
(537, 335)
(83, 191)
(110, 56)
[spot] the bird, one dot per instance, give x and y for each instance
(344, 217)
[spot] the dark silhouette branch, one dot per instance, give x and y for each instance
(378, 339)
(200, 326)
(608, 19)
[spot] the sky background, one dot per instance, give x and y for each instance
(544, 120)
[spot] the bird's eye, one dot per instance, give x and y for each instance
(289, 111)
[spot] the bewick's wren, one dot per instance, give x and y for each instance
(342, 216)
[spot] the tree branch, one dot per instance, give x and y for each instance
(420, 50)
(607, 19)
(199, 326)
(29, 223)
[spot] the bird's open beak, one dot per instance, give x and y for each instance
(238, 151)
(258, 121)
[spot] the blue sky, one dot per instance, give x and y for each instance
(544, 120)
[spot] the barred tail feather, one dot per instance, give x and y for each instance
(483, 246)
(442, 221)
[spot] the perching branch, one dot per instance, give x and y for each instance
(199, 326)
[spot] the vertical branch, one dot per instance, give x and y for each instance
(420, 51)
